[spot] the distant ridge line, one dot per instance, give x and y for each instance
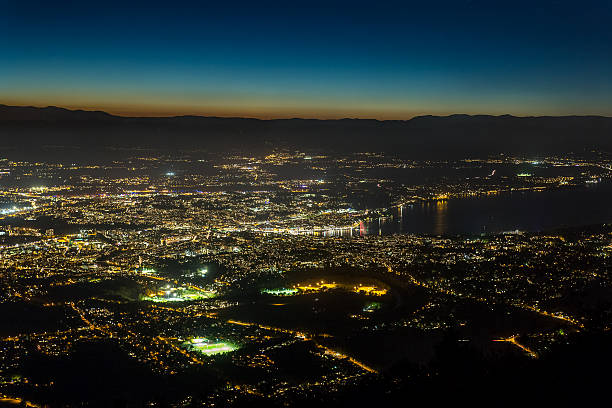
(53, 112)
(434, 137)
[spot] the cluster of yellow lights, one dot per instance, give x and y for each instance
(322, 285)
(370, 290)
(316, 286)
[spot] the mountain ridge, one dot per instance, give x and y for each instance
(460, 135)
(39, 113)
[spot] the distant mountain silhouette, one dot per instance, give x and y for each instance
(27, 129)
(52, 113)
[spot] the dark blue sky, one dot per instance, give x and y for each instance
(309, 59)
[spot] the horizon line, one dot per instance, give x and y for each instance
(188, 115)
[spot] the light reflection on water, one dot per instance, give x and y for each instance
(526, 211)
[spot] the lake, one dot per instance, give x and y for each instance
(522, 210)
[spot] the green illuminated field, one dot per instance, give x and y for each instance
(204, 346)
(372, 306)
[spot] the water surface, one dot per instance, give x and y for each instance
(522, 210)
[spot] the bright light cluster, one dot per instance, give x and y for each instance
(207, 347)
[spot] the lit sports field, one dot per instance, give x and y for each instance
(207, 347)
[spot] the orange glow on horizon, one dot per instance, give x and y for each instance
(271, 111)
(257, 108)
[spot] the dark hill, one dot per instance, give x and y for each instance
(50, 113)
(28, 128)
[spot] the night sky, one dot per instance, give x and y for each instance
(386, 60)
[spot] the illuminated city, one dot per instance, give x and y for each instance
(235, 268)
(305, 204)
